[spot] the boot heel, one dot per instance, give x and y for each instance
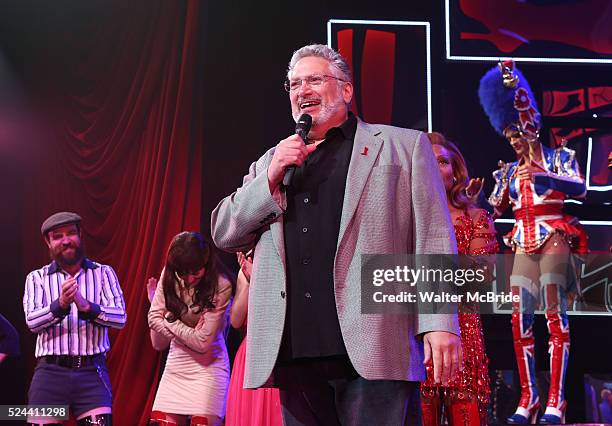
(553, 415)
(525, 415)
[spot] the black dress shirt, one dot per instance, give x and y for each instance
(311, 227)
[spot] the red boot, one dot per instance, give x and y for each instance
(199, 421)
(431, 399)
(159, 418)
(522, 334)
(558, 348)
(464, 412)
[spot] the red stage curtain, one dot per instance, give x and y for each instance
(118, 140)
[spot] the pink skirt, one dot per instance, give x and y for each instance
(250, 407)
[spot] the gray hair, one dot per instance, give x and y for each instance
(322, 51)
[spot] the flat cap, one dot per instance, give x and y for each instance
(59, 219)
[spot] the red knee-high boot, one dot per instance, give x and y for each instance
(558, 348)
(432, 410)
(464, 412)
(158, 418)
(522, 335)
(431, 399)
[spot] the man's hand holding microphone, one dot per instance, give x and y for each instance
(290, 153)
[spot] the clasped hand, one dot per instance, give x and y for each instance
(70, 293)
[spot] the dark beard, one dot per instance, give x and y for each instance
(64, 261)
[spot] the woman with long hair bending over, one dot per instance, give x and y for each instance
(189, 313)
(466, 397)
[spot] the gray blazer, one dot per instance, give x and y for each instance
(394, 202)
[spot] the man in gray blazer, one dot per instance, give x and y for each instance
(358, 189)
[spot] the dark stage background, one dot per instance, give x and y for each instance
(142, 115)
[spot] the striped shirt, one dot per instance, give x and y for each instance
(70, 332)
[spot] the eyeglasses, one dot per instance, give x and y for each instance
(311, 80)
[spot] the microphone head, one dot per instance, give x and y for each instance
(303, 124)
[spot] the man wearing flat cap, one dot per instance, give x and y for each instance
(71, 303)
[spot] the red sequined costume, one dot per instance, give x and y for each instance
(467, 396)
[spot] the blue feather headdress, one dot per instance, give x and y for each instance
(508, 101)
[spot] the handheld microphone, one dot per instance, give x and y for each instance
(302, 127)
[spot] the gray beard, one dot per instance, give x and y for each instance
(325, 113)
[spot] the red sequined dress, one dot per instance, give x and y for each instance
(472, 383)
